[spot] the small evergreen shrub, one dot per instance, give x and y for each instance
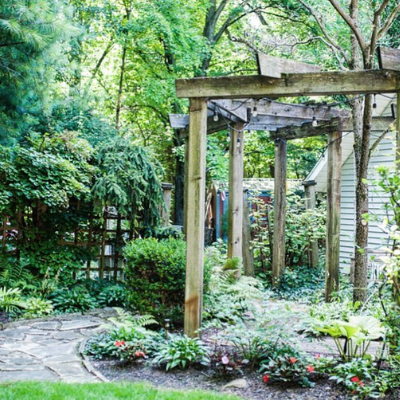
(155, 277)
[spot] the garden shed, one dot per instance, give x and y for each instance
(383, 154)
(218, 199)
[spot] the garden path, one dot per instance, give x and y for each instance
(49, 350)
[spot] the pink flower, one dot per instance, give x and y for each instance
(265, 378)
(139, 354)
(119, 343)
(292, 360)
(317, 356)
(225, 360)
(310, 368)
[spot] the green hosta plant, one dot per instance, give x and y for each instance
(36, 307)
(357, 332)
(180, 351)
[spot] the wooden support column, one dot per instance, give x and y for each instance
(278, 250)
(194, 217)
(235, 205)
(309, 188)
(333, 213)
(248, 257)
(398, 132)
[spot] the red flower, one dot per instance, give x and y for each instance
(265, 378)
(119, 343)
(292, 360)
(139, 354)
(310, 368)
(355, 379)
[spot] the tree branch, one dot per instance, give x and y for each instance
(375, 27)
(376, 143)
(388, 22)
(350, 22)
(325, 33)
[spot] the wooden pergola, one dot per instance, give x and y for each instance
(209, 96)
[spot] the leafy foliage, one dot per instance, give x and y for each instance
(129, 180)
(73, 300)
(180, 351)
(10, 300)
(155, 276)
(358, 332)
(283, 363)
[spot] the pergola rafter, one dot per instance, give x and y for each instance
(209, 96)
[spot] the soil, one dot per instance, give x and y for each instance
(4, 317)
(206, 379)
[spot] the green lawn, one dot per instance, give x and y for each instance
(99, 391)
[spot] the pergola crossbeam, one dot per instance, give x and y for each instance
(293, 85)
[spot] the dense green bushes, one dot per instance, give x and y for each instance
(155, 276)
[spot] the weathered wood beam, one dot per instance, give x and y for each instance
(309, 189)
(266, 123)
(194, 221)
(389, 58)
(307, 130)
(278, 248)
(293, 85)
(235, 201)
(178, 120)
(274, 67)
(234, 108)
(333, 213)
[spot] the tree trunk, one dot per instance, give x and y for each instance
(360, 112)
(361, 249)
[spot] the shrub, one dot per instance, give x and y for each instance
(155, 277)
(181, 351)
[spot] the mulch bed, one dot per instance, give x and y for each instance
(206, 379)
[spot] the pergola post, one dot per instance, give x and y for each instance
(278, 250)
(333, 213)
(194, 214)
(235, 205)
(309, 189)
(248, 257)
(398, 131)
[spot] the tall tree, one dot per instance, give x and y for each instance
(355, 49)
(34, 38)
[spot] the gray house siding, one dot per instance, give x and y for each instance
(383, 156)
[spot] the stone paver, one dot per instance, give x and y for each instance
(47, 350)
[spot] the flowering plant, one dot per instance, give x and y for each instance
(286, 364)
(226, 362)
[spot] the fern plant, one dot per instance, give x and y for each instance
(16, 275)
(126, 319)
(10, 300)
